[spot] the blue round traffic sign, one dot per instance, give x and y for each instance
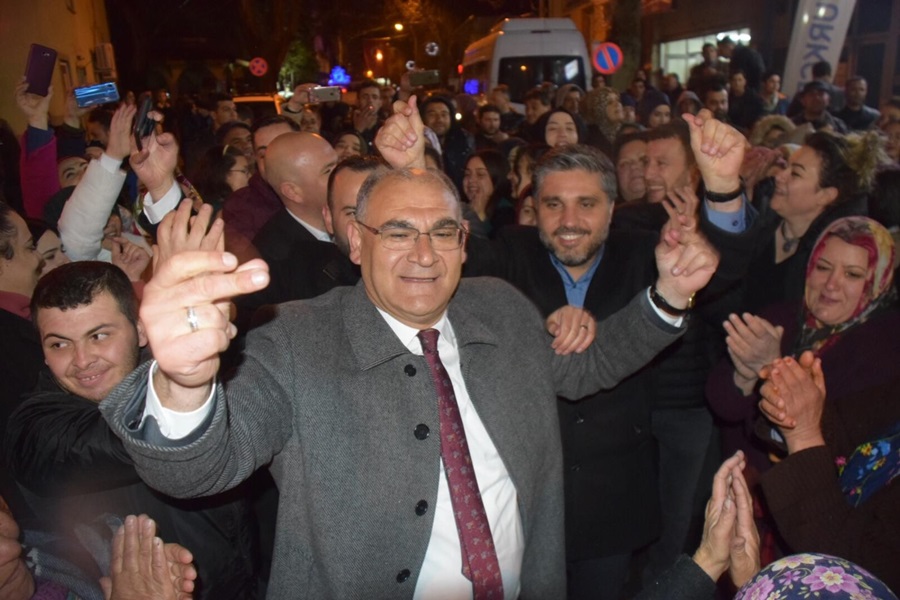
(607, 58)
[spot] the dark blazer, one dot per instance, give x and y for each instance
(612, 504)
(275, 239)
(310, 269)
(334, 400)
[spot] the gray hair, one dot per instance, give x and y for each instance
(576, 158)
(385, 174)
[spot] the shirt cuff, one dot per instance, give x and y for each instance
(109, 163)
(732, 222)
(173, 424)
(36, 138)
(155, 211)
(673, 321)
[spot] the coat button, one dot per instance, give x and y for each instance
(409, 370)
(575, 467)
(421, 432)
(637, 429)
(421, 507)
(579, 419)
(403, 575)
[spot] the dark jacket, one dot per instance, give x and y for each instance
(456, 147)
(679, 372)
(309, 269)
(75, 473)
(805, 498)
(611, 499)
(766, 282)
(275, 240)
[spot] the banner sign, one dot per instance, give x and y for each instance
(819, 31)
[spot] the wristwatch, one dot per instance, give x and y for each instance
(667, 308)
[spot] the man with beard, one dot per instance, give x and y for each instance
(715, 99)
(612, 505)
(456, 143)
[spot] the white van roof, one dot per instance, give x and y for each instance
(534, 25)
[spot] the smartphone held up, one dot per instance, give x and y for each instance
(93, 95)
(143, 122)
(39, 69)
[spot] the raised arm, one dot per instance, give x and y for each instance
(185, 311)
(84, 216)
(719, 152)
(401, 140)
(37, 166)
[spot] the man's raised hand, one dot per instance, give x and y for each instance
(401, 140)
(719, 151)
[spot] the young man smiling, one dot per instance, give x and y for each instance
(73, 472)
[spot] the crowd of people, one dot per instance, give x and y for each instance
(229, 334)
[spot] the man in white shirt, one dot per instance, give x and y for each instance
(334, 394)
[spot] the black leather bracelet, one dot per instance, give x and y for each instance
(667, 308)
(714, 197)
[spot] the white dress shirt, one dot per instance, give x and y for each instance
(320, 235)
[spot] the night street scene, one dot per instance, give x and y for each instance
(429, 300)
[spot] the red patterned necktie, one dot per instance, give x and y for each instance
(479, 557)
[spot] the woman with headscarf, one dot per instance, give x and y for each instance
(654, 110)
(569, 97)
(834, 403)
(603, 111)
(848, 317)
(561, 128)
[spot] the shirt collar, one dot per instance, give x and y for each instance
(408, 336)
(317, 233)
(588, 275)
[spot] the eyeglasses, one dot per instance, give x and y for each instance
(446, 237)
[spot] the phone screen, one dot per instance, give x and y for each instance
(92, 95)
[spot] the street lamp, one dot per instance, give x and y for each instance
(398, 26)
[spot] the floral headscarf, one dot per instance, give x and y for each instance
(814, 576)
(878, 292)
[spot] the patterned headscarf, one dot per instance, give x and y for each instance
(814, 576)
(878, 291)
(593, 109)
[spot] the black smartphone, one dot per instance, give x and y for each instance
(39, 69)
(325, 94)
(424, 78)
(92, 95)
(143, 124)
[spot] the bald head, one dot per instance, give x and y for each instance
(297, 168)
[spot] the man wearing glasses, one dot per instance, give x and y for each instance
(409, 421)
